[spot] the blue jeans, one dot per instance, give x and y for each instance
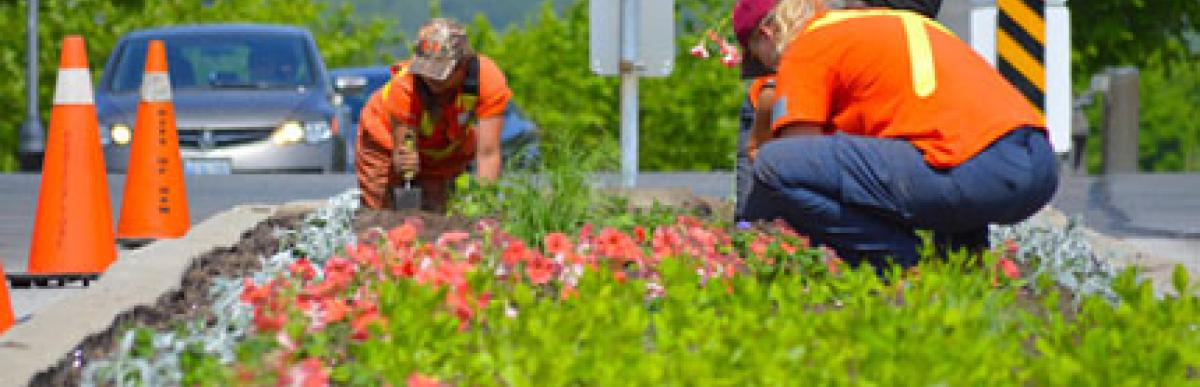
(866, 196)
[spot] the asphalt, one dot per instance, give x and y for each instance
(1158, 211)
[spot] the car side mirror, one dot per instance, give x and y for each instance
(350, 84)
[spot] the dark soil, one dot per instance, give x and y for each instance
(187, 304)
(433, 225)
(191, 301)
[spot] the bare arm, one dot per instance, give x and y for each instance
(487, 150)
(760, 130)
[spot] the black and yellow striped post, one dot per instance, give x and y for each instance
(1021, 47)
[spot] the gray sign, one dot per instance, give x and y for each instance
(655, 32)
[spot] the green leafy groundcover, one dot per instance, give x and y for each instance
(689, 303)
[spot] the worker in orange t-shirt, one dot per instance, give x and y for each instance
(883, 123)
(755, 120)
(441, 110)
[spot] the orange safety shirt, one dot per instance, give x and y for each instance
(446, 144)
(897, 74)
(756, 88)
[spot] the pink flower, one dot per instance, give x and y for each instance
(700, 51)
(731, 60)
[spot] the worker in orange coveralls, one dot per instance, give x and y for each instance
(447, 103)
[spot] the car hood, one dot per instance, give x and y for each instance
(217, 109)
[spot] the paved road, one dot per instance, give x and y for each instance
(1160, 212)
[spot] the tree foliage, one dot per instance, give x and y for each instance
(688, 120)
(341, 39)
(1141, 33)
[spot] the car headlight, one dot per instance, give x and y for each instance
(289, 132)
(317, 131)
(120, 133)
(292, 132)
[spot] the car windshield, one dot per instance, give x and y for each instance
(221, 61)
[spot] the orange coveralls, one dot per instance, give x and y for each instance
(445, 144)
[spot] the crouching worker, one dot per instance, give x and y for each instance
(757, 115)
(440, 111)
(883, 123)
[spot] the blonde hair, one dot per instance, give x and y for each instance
(789, 17)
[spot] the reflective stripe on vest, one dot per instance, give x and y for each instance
(467, 104)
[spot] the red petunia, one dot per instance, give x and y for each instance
(1009, 268)
(403, 235)
(540, 270)
(514, 253)
(557, 243)
(303, 269)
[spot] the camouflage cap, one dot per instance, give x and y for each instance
(441, 44)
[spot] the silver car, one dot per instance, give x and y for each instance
(248, 99)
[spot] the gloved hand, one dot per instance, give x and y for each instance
(405, 159)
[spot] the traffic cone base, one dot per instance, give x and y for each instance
(73, 229)
(155, 201)
(6, 310)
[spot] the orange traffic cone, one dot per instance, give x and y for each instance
(6, 311)
(73, 231)
(155, 203)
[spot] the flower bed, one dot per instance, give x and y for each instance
(653, 297)
(685, 302)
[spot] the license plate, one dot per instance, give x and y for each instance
(207, 167)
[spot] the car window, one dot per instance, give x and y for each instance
(220, 61)
(375, 80)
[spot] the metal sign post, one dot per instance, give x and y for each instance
(629, 92)
(631, 38)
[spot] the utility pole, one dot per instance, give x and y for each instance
(32, 137)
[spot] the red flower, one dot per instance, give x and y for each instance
(404, 235)
(405, 268)
(540, 270)
(639, 233)
(514, 253)
(699, 51)
(619, 276)
(303, 269)
(419, 380)
(464, 304)
(361, 323)
(585, 233)
(1009, 268)
(557, 243)
(257, 295)
(364, 255)
(266, 321)
(334, 310)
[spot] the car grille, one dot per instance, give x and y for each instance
(220, 138)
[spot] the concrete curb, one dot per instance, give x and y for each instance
(137, 278)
